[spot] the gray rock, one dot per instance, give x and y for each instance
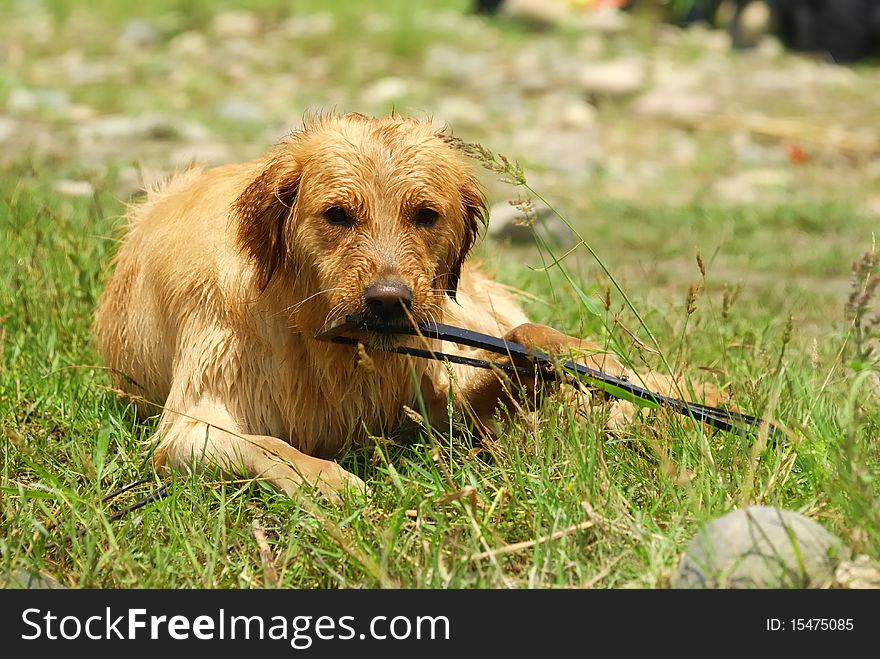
(138, 33)
(129, 182)
(567, 151)
(143, 127)
(761, 547)
(311, 25)
(385, 91)
(753, 185)
(22, 99)
(8, 128)
(674, 103)
(189, 44)
(617, 77)
(199, 153)
(456, 65)
(756, 153)
(860, 573)
(532, 71)
(507, 223)
(231, 24)
(576, 114)
(36, 581)
(460, 111)
(241, 110)
(71, 188)
(135, 181)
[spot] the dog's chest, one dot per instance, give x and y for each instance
(332, 399)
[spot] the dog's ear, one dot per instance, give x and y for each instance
(474, 214)
(262, 212)
(474, 211)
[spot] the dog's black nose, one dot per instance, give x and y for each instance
(388, 300)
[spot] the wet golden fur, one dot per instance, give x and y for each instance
(224, 276)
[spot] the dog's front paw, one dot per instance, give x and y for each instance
(337, 483)
(563, 346)
(334, 482)
(540, 337)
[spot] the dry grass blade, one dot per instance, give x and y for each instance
(639, 343)
(367, 563)
(605, 571)
(526, 544)
(468, 493)
(270, 574)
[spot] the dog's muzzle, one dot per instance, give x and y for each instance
(388, 300)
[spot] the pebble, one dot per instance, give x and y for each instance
(755, 153)
(231, 24)
(460, 111)
(761, 547)
(135, 181)
(616, 77)
(384, 91)
(309, 25)
(189, 44)
(205, 153)
(138, 33)
(141, 127)
(22, 99)
(861, 573)
(507, 223)
(577, 114)
(241, 110)
(71, 188)
(8, 128)
(574, 152)
(445, 62)
(752, 185)
(674, 103)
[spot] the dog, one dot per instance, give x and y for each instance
(224, 276)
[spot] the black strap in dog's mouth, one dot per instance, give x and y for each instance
(529, 363)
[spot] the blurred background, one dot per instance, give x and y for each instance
(745, 132)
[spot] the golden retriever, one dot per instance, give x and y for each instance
(224, 276)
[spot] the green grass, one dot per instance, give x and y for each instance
(618, 507)
(67, 440)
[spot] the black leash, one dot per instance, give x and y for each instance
(156, 495)
(528, 363)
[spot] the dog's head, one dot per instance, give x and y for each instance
(360, 215)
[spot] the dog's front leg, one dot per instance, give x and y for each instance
(205, 437)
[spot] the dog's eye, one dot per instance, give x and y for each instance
(338, 217)
(425, 217)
